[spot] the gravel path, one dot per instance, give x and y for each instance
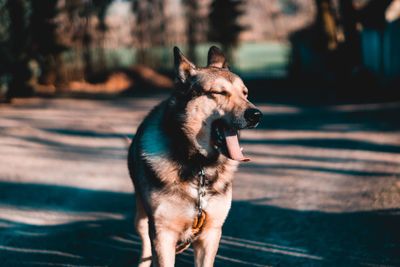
(322, 189)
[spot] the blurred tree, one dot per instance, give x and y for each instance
(314, 47)
(4, 37)
(352, 45)
(4, 21)
(150, 27)
(372, 15)
(101, 7)
(196, 16)
(224, 25)
(15, 48)
(84, 29)
(45, 44)
(18, 31)
(36, 32)
(326, 24)
(32, 37)
(141, 11)
(192, 17)
(87, 40)
(93, 8)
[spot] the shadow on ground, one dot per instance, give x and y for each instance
(56, 225)
(254, 235)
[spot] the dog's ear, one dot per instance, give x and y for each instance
(183, 67)
(216, 58)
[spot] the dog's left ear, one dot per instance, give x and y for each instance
(183, 67)
(216, 58)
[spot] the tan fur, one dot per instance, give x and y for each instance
(205, 109)
(166, 203)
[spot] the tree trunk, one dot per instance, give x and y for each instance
(192, 20)
(352, 45)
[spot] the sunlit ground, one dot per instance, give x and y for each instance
(322, 188)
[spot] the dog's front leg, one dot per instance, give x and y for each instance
(142, 228)
(163, 246)
(206, 247)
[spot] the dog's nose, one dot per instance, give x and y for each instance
(253, 117)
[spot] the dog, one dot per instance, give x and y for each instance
(183, 158)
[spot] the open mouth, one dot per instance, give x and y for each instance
(226, 140)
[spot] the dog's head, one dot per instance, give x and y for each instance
(216, 105)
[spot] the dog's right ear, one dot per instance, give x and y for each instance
(216, 58)
(183, 67)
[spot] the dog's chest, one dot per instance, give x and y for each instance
(207, 184)
(213, 204)
(200, 194)
(179, 207)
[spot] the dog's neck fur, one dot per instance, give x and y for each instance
(188, 160)
(183, 150)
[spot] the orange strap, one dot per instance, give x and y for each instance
(197, 227)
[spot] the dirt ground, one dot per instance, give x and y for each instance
(322, 189)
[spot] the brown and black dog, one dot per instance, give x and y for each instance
(183, 158)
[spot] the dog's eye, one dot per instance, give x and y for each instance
(224, 93)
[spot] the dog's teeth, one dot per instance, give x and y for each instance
(241, 149)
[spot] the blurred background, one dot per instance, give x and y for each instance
(54, 47)
(78, 76)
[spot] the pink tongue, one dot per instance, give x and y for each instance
(232, 144)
